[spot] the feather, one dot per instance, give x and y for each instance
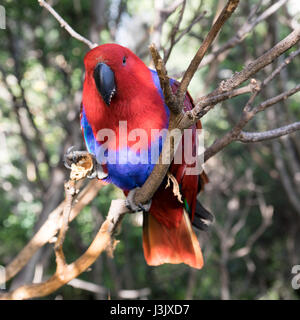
(171, 245)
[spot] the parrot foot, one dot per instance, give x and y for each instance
(73, 156)
(130, 204)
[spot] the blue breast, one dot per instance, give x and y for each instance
(135, 166)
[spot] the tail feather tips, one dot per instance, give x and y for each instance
(171, 245)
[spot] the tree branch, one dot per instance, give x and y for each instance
(66, 26)
(64, 274)
(243, 31)
(268, 135)
(192, 68)
(175, 105)
(50, 228)
(204, 104)
(70, 192)
(247, 115)
(284, 95)
(170, 99)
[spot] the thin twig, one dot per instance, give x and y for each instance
(66, 26)
(174, 31)
(192, 68)
(234, 133)
(282, 96)
(245, 29)
(268, 135)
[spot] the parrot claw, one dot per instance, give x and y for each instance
(97, 172)
(70, 157)
(130, 204)
(73, 156)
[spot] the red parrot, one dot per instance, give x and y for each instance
(120, 89)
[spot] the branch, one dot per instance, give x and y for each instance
(175, 105)
(266, 104)
(284, 175)
(23, 132)
(266, 215)
(170, 99)
(70, 191)
(245, 29)
(66, 273)
(262, 61)
(49, 229)
(247, 115)
(122, 294)
(161, 15)
(204, 104)
(268, 135)
(169, 10)
(174, 37)
(173, 32)
(103, 241)
(189, 73)
(66, 26)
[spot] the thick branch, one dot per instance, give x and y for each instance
(175, 104)
(50, 228)
(102, 241)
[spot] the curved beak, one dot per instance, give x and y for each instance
(105, 81)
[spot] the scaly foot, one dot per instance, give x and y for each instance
(130, 204)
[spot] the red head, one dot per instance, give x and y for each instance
(119, 64)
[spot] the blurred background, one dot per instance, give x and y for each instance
(254, 189)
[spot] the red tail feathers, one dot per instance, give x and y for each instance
(176, 244)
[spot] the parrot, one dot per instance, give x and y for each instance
(120, 89)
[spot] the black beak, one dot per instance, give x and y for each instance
(105, 82)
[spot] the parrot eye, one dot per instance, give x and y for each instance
(124, 61)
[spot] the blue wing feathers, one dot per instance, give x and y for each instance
(88, 134)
